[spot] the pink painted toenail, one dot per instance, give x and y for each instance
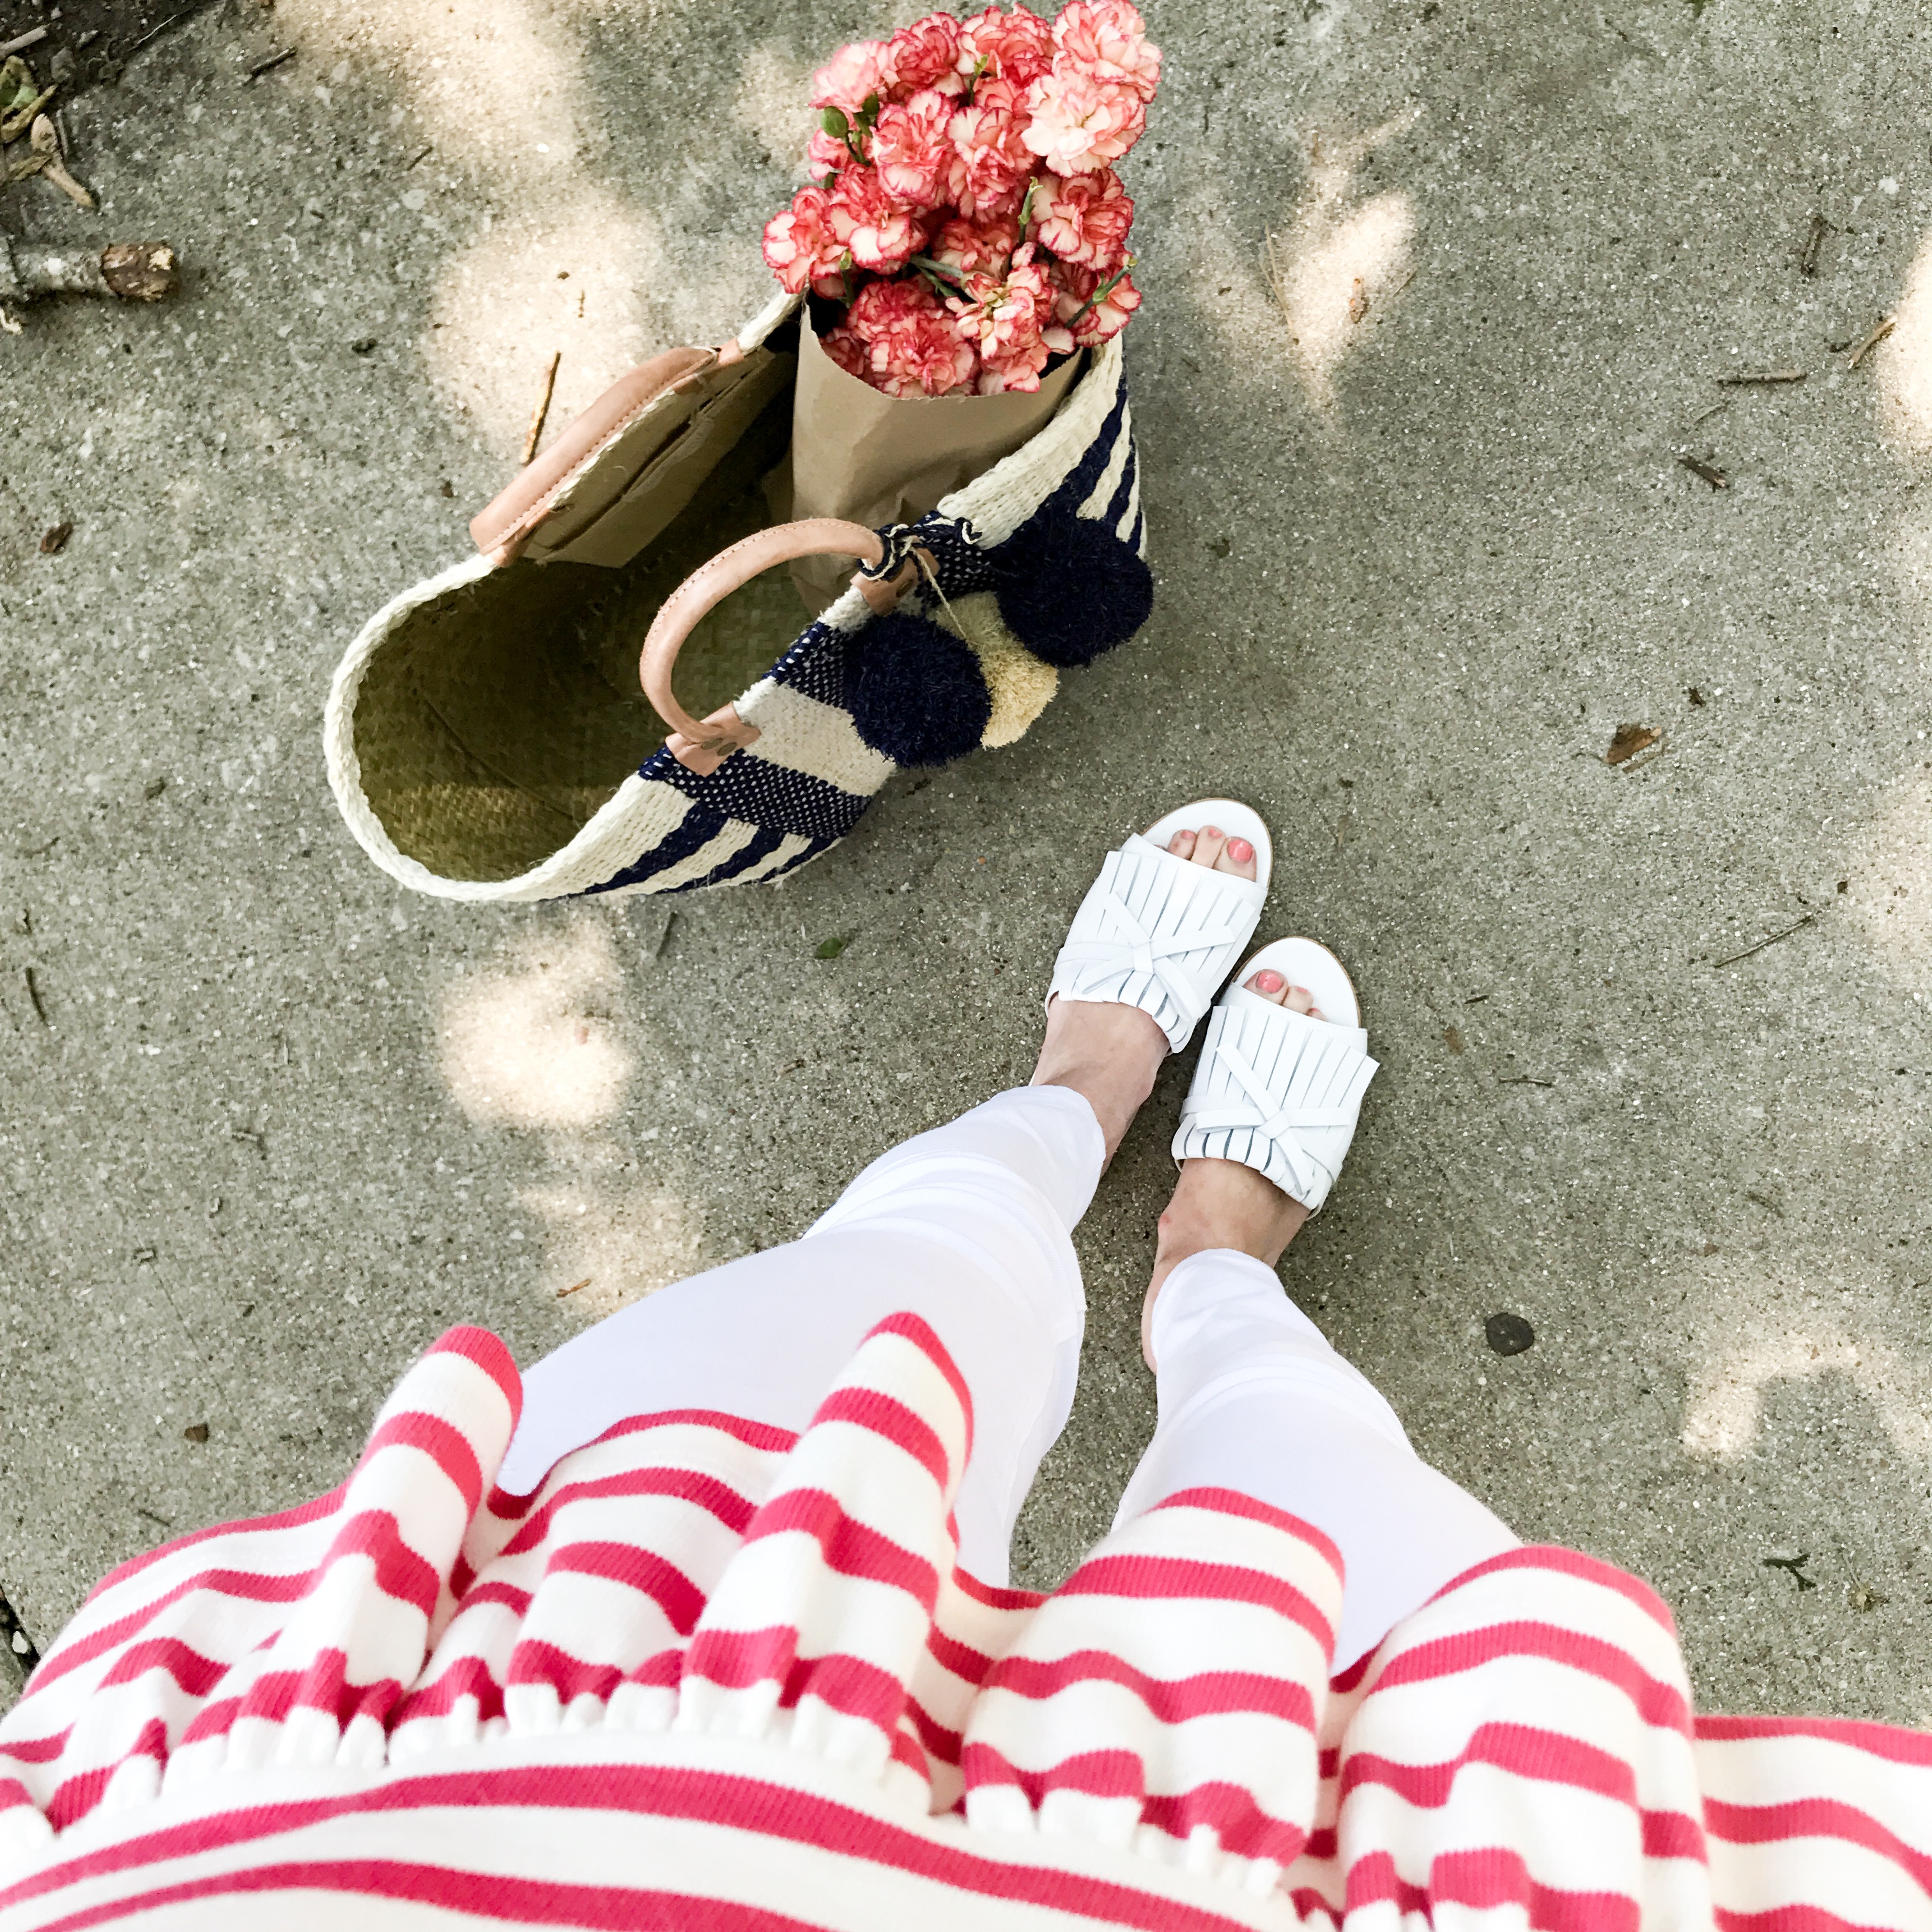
(1210, 832)
(1267, 983)
(1239, 850)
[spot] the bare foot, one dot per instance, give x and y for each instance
(1110, 1053)
(1222, 1204)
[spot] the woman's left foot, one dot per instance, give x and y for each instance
(1110, 1051)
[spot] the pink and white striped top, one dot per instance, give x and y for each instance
(713, 1676)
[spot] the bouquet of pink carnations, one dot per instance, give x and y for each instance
(963, 205)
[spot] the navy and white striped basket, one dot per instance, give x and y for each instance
(1041, 562)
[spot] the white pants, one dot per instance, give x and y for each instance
(970, 1226)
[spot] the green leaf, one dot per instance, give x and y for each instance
(830, 948)
(834, 124)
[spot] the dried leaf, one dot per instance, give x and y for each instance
(1631, 739)
(196, 1432)
(1358, 300)
(17, 85)
(54, 541)
(1452, 1038)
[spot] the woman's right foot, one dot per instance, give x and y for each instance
(1225, 1204)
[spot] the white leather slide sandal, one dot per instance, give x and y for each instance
(1160, 932)
(1277, 1091)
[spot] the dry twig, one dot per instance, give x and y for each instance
(1872, 341)
(134, 270)
(1745, 377)
(1808, 255)
(1715, 477)
(1784, 932)
(541, 413)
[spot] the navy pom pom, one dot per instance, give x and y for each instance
(1069, 589)
(916, 692)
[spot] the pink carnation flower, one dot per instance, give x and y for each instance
(1016, 46)
(826, 155)
(852, 75)
(991, 162)
(1011, 324)
(1083, 218)
(912, 148)
(1090, 316)
(912, 348)
(975, 248)
(1078, 124)
(1107, 39)
(802, 246)
(926, 54)
(882, 235)
(848, 351)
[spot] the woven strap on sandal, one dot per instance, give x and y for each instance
(1278, 1092)
(1157, 932)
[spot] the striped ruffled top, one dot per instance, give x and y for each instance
(712, 1675)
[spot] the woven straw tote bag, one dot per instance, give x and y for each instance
(486, 737)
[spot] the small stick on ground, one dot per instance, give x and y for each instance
(1872, 341)
(33, 994)
(1784, 932)
(1744, 377)
(542, 410)
(1715, 478)
(133, 271)
(154, 33)
(269, 65)
(1808, 255)
(1522, 1080)
(1710, 412)
(574, 1286)
(32, 37)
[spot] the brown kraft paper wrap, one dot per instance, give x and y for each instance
(873, 459)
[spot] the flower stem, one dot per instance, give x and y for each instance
(939, 269)
(1101, 294)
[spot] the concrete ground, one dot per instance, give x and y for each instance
(270, 1123)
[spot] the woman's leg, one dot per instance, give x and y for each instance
(1252, 1399)
(968, 1226)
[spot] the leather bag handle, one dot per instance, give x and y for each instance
(703, 745)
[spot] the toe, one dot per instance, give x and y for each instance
(1269, 985)
(1182, 844)
(1237, 856)
(1209, 844)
